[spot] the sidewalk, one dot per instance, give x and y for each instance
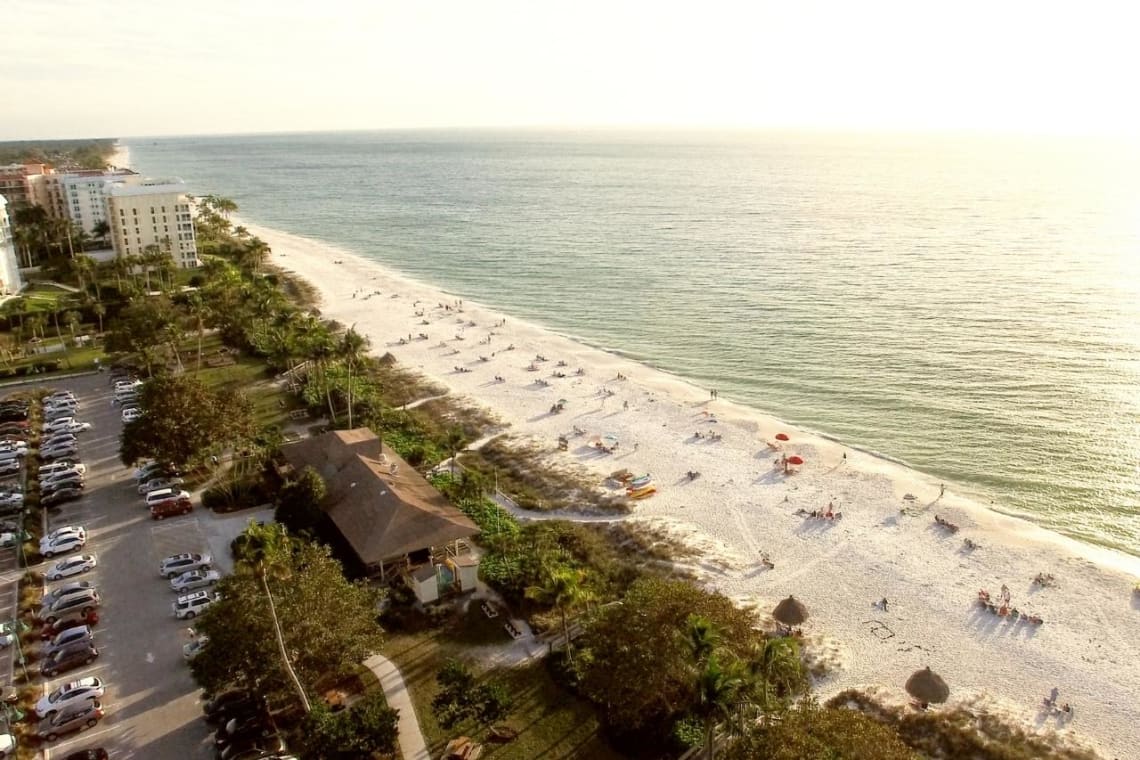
(412, 744)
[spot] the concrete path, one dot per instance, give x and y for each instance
(412, 743)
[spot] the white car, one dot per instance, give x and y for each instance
(194, 604)
(75, 588)
(69, 694)
(62, 451)
(177, 564)
(11, 499)
(62, 541)
(72, 566)
(158, 484)
(58, 424)
(61, 474)
(123, 385)
(53, 467)
(14, 445)
(59, 413)
(10, 467)
(194, 579)
(132, 413)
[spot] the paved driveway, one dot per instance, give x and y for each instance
(152, 705)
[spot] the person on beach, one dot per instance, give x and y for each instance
(625, 405)
(941, 490)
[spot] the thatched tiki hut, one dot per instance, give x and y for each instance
(927, 686)
(791, 611)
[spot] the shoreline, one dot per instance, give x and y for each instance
(742, 506)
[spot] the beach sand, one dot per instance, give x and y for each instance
(743, 505)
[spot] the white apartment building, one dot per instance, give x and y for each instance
(10, 280)
(79, 195)
(152, 213)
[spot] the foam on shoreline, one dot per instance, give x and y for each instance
(742, 506)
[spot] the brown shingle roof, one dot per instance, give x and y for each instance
(382, 514)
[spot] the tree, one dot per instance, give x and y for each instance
(72, 319)
(183, 420)
(287, 607)
(811, 732)
(102, 229)
(561, 589)
(142, 327)
(774, 672)
(199, 311)
(461, 698)
(717, 688)
(350, 350)
(299, 502)
(455, 441)
(701, 637)
(369, 727)
(638, 665)
(100, 311)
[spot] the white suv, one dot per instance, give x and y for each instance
(62, 541)
(177, 564)
(192, 604)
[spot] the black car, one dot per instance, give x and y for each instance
(241, 727)
(88, 754)
(74, 480)
(252, 747)
(68, 660)
(231, 704)
(10, 414)
(62, 496)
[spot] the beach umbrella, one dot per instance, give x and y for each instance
(795, 460)
(791, 611)
(782, 437)
(927, 686)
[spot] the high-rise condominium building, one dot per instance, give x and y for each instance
(152, 213)
(10, 281)
(15, 182)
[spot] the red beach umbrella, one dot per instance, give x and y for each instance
(795, 460)
(782, 437)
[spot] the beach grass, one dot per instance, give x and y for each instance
(551, 722)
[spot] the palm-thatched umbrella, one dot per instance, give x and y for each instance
(927, 686)
(791, 611)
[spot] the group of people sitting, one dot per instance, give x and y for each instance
(461, 369)
(1044, 579)
(693, 474)
(710, 436)
(1003, 608)
(940, 520)
(829, 514)
(1050, 703)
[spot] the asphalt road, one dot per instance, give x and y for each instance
(152, 705)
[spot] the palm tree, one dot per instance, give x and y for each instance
(562, 589)
(100, 311)
(454, 443)
(72, 319)
(265, 552)
(25, 237)
(223, 206)
(35, 324)
(352, 346)
(240, 232)
(717, 689)
(199, 312)
(101, 230)
(774, 668)
(701, 637)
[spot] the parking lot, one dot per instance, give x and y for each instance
(152, 705)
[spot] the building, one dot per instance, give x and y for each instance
(148, 213)
(82, 195)
(10, 280)
(16, 182)
(393, 520)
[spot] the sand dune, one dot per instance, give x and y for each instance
(744, 505)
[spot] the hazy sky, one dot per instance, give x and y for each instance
(149, 67)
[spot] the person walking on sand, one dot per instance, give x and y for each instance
(941, 490)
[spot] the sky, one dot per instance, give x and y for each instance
(81, 68)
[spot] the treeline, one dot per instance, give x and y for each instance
(60, 154)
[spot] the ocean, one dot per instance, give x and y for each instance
(966, 305)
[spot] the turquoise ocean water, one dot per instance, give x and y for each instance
(968, 306)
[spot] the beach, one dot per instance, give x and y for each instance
(744, 508)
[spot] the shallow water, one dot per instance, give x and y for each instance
(970, 307)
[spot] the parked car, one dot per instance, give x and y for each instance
(230, 704)
(9, 539)
(238, 729)
(194, 579)
(132, 413)
(171, 508)
(58, 439)
(253, 748)
(16, 427)
(64, 480)
(175, 565)
(164, 494)
(84, 603)
(11, 499)
(59, 475)
(62, 541)
(85, 715)
(191, 605)
(68, 660)
(57, 425)
(15, 444)
(69, 620)
(67, 589)
(98, 753)
(10, 466)
(68, 638)
(72, 566)
(62, 465)
(62, 452)
(60, 496)
(12, 455)
(195, 647)
(158, 483)
(71, 693)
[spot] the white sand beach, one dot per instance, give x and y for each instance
(743, 505)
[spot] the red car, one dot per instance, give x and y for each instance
(69, 620)
(170, 508)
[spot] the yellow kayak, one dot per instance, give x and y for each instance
(643, 493)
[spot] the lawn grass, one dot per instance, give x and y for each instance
(552, 723)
